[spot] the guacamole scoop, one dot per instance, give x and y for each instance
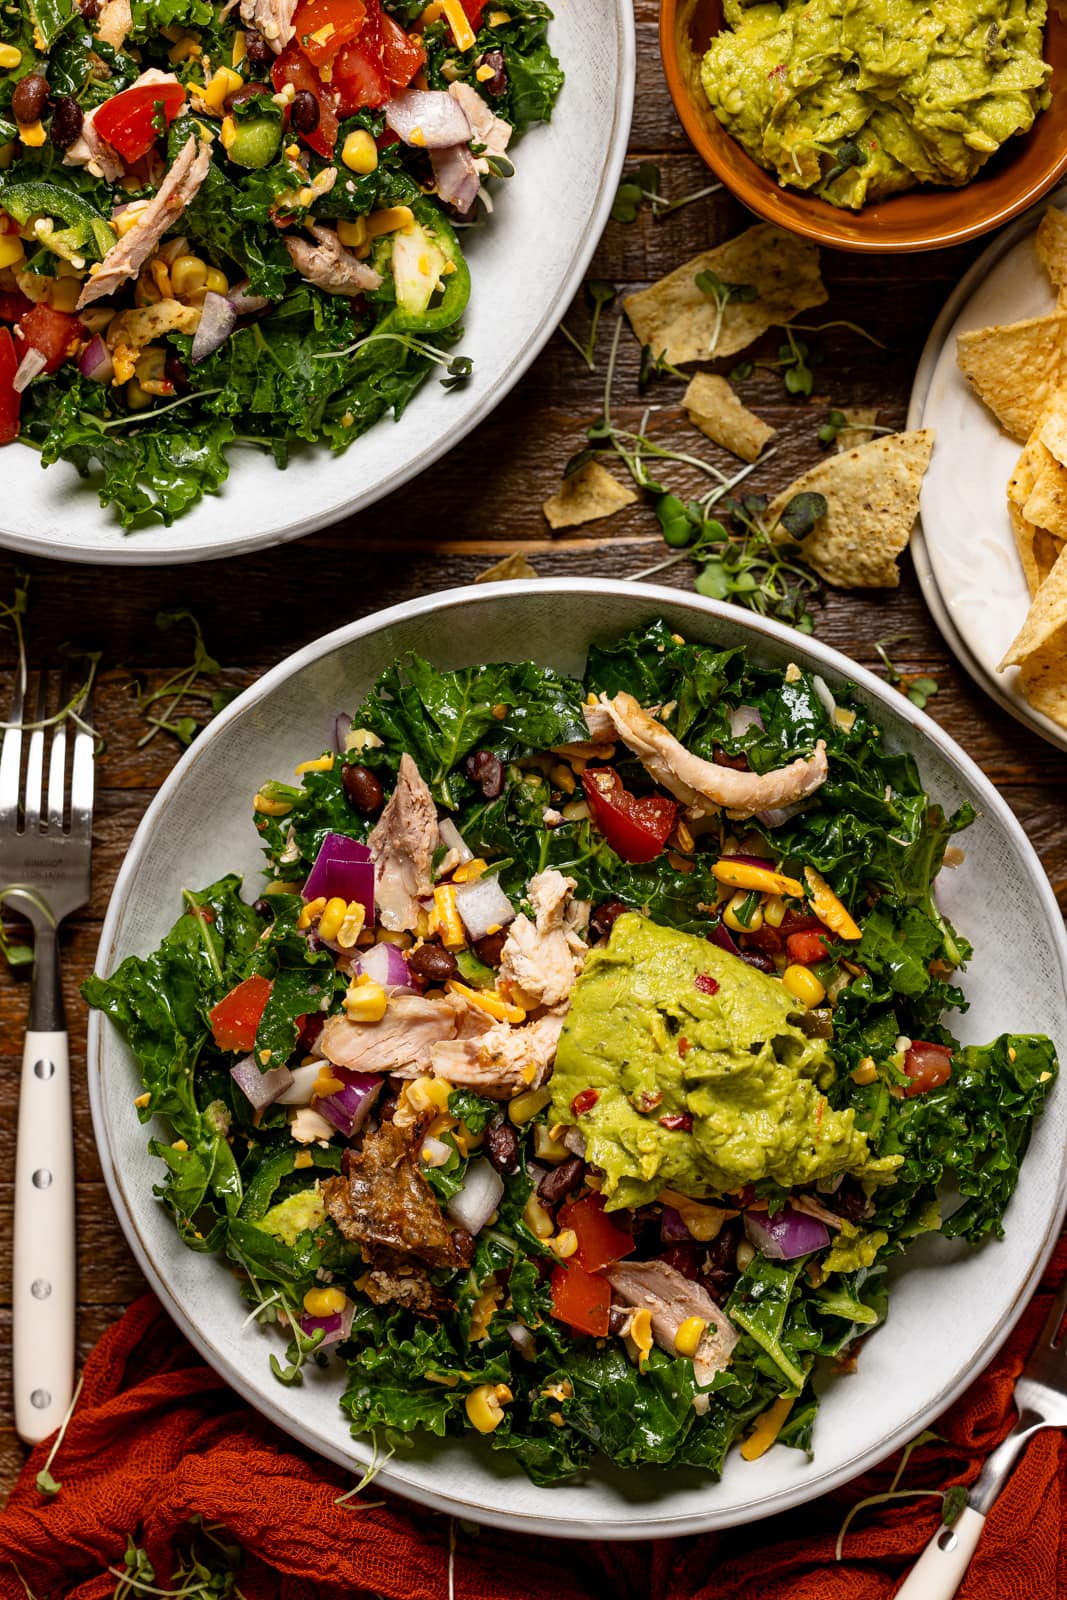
(682, 1067)
(858, 99)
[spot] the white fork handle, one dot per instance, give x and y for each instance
(43, 1288)
(939, 1571)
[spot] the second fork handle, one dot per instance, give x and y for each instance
(43, 1286)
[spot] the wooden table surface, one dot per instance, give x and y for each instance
(481, 502)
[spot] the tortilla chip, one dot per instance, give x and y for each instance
(872, 496)
(1051, 242)
(1015, 367)
(588, 494)
(1025, 534)
(714, 408)
(1046, 504)
(1051, 426)
(512, 566)
(1039, 649)
(860, 429)
(1022, 480)
(674, 318)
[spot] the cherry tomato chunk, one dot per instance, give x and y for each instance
(130, 121)
(10, 401)
(323, 26)
(293, 66)
(601, 1240)
(235, 1020)
(581, 1299)
(635, 828)
(53, 333)
(807, 949)
(402, 56)
(927, 1065)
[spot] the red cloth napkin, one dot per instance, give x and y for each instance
(157, 1439)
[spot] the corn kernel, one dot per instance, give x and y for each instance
(224, 82)
(456, 17)
(494, 1004)
(143, 1100)
(11, 250)
(216, 281)
(303, 1158)
(320, 764)
(497, 19)
(311, 911)
(33, 135)
(353, 234)
(739, 875)
(351, 929)
(525, 1107)
(10, 56)
(240, 49)
(483, 1311)
(179, 1144)
(324, 1302)
(640, 1330)
(365, 1002)
(687, 1339)
(188, 275)
(802, 982)
(359, 152)
(731, 919)
(866, 1072)
(449, 922)
(389, 220)
(428, 1094)
(332, 917)
(483, 1408)
(564, 1244)
(774, 910)
(537, 1218)
(432, 13)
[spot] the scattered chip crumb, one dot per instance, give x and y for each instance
(587, 495)
(715, 409)
(514, 565)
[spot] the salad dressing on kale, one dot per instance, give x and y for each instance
(582, 1066)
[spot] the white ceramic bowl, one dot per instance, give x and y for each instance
(526, 266)
(951, 1307)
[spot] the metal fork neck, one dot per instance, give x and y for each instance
(46, 998)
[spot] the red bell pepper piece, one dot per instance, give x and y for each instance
(235, 1020)
(54, 333)
(807, 949)
(600, 1238)
(10, 402)
(636, 829)
(130, 121)
(581, 1299)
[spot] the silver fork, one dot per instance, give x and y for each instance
(46, 814)
(1041, 1401)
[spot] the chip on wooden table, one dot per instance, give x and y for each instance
(1051, 242)
(858, 429)
(714, 408)
(872, 499)
(513, 566)
(588, 494)
(678, 320)
(1014, 367)
(1039, 649)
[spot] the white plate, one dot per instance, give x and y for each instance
(963, 548)
(526, 265)
(951, 1307)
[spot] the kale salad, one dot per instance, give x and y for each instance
(580, 1065)
(242, 223)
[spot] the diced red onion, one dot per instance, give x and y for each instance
(301, 1089)
(31, 366)
(457, 178)
(243, 303)
(483, 905)
(385, 964)
(260, 1089)
(335, 1327)
(672, 1230)
(720, 935)
(482, 1191)
(822, 689)
(523, 1340)
(217, 321)
(343, 868)
(431, 114)
(742, 718)
(95, 361)
(751, 861)
(452, 839)
(788, 1235)
(780, 815)
(342, 722)
(350, 1107)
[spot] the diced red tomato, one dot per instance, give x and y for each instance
(14, 306)
(927, 1065)
(130, 121)
(359, 75)
(53, 333)
(807, 949)
(235, 1019)
(323, 26)
(10, 402)
(472, 10)
(402, 56)
(584, 1101)
(293, 66)
(600, 1238)
(706, 983)
(677, 1122)
(581, 1299)
(636, 829)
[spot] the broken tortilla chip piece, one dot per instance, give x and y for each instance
(1051, 426)
(859, 427)
(677, 320)
(1046, 504)
(1025, 534)
(872, 499)
(1039, 649)
(714, 408)
(588, 494)
(1014, 368)
(1051, 242)
(513, 566)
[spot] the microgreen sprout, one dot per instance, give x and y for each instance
(206, 1570)
(641, 186)
(598, 295)
(953, 1501)
(46, 1484)
(723, 294)
(182, 686)
(378, 1460)
(918, 688)
(655, 367)
(458, 368)
(837, 422)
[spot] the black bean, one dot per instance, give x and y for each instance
(262, 907)
(91, 9)
(502, 1145)
(464, 1243)
(247, 91)
(489, 949)
(487, 771)
(304, 111)
(257, 50)
(561, 1181)
(66, 122)
(603, 919)
(617, 1316)
(432, 963)
(684, 1258)
(30, 99)
(362, 789)
(760, 962)
(497, 84)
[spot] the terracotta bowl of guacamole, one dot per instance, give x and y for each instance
(999, 172)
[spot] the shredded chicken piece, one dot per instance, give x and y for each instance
(271, 18)
(91, 150)
(402, 846)
(672, 1298)
(602, 737)
(406, 1285)
(329, 265)
(543, 959)
(114, 23)
(704, 786)
(386, 1206)
(815, 1208)
(488, 130)
(504, 1061)
(401, 1042)
(127, 256)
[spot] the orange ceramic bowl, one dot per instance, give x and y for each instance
(920, 219)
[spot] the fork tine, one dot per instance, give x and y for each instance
(82, 778)
(57, 763)
(32, 787)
